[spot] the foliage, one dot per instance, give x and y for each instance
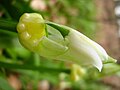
(31, 67)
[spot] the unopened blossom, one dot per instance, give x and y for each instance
(59, 42)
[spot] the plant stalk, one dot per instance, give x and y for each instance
(8, 25)
(32, 67)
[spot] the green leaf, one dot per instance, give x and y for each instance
(15, 8)
(7, 39)
(8, 25)
(32, 67)
(4, 85)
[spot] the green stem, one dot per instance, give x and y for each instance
(37, 59)
(32, 67)
(8, 25)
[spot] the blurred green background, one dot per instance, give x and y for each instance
(21, 69)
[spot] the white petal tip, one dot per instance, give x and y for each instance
(98, 66)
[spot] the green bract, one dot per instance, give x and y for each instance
(59, 42)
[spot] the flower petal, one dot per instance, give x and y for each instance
(80, 51)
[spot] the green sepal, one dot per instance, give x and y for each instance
(49, 48)
(110, 60)
(61, 28)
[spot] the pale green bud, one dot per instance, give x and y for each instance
(59, 42)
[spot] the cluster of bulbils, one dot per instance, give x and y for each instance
(59, 42)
